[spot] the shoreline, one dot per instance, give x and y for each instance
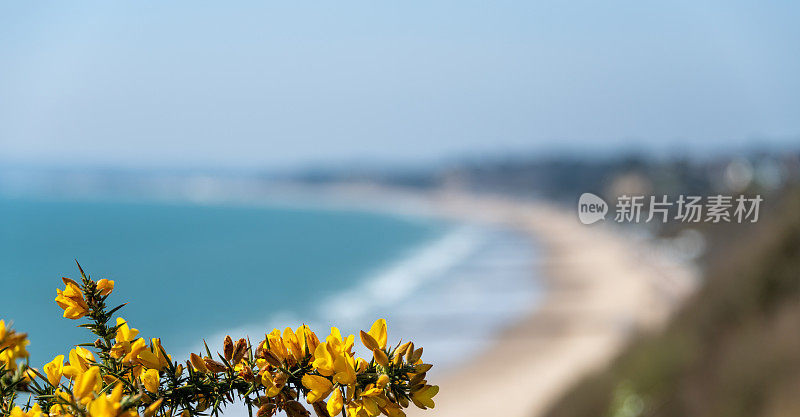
(412, 207)
(600, 289)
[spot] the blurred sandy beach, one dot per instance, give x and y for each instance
(601, 288)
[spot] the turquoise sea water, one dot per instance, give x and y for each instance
(189, 271)
(200, 271)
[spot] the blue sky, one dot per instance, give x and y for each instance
(267, 84)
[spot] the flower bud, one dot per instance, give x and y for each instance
(423, 367)
(213, 366)
(239, 350)
(320, 410)
(271, 359)
(266, 410)
(410, 352)
(197, 363)
(383, 380)
(68, 281)
(227, 348)
(380, 357)
(280, 379)
(402, 349)
(413, 358)
(290, 394)
(369, 341)
(295, 409)
(247, 374)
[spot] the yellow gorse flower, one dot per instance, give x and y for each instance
(109, 405)
(105, 286)
(153, 358)
(119, 374)
(271, 388)
(423, 397)
(344, 366)
(124, 338)
(324, 360)
(320, 387)
(136, 347)
(150, 380)
(35, 411)
(335, 404)
(308, 339)
(87, 382)
(60, 408)
(12, 346)
(80, 359)
(55, 370)
(71, 300)
(292, 344)
(378, 332)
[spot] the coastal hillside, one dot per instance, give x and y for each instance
(734, 349)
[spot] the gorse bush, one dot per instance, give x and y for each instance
(121, 375)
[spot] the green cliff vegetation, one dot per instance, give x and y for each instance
(733, 350)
